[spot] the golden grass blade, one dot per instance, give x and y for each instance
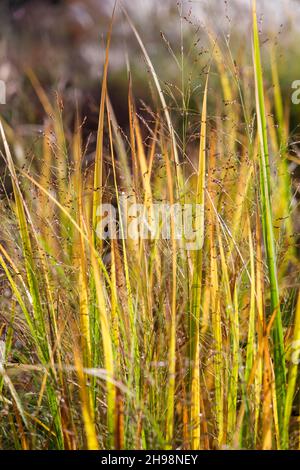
(197, 281)
(162, 99)
(87, 415)
(98, 183)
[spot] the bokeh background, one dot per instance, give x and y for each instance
(63, 42)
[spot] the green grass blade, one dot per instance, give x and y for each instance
(266, 206)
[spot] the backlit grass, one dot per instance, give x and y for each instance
(142, 344)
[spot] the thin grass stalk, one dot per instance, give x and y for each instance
(234, 372)
(179, 176)
(98, 171)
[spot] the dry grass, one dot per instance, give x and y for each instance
(141, 343)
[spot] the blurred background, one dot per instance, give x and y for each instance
(63, 42)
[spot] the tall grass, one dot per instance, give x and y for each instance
(267, 221)
(136, 343)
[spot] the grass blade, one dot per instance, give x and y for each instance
(266, 204)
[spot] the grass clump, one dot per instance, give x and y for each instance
(142, 343)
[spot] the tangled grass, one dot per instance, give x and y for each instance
(141, 343)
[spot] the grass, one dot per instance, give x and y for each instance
(267, 222)
(142, 344)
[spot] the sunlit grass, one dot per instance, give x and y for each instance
(141, 343)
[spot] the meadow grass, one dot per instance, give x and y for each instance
(142, 344)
